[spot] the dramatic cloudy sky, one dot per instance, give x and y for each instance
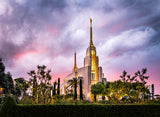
(126, 34)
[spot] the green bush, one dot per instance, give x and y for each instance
(104, 102)
(85, 111)
(8, 107)
(26, 100)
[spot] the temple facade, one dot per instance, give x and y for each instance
(90, 73)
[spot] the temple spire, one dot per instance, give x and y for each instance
(75, 63)
(91, 42)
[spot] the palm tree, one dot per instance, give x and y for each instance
(73, 83)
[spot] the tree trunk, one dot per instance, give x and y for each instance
(103, 97)
(95, 98)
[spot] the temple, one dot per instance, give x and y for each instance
(90, 73)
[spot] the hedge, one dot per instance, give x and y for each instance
(7, 107)
(82, 111)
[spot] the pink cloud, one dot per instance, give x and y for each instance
(117, 27)
(20, 55)
(52, 30)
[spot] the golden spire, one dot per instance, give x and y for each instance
(90, 21)
(91, 42)
(75, 63)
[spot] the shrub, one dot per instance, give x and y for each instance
(85, 111)
(104, 102)
(27, 100)
(7, 107)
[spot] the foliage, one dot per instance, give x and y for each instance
(17, 91)
(97, 89)
(73, 83)
(21, 86)
(85, 111)
(128, 89)
(69, 93)
(134, 86)
(142, 76)
(116, 88)
(7, 107)
(107, 88)
(141, 82)
(26, 100)
(40, 82)
(6, 81)
(127, 83)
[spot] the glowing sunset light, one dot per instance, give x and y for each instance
(20, 55)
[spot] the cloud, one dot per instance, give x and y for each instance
(130, 40)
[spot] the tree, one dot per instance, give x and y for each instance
(135, 92)
(17, 91)
(41, 84)
(134, 86)
(54, 88)
(22, 85)
(141, 81)
(6, 81)
(127, 84)
(33, 84)
(73, 84)
(97, 89)
(81, 89)
(116, 89)
(9, 86)
(142, 76)
(107, 90)
(2, 74)
(58, 88)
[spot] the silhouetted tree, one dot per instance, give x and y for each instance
(58, 88)
(17, 91)
(54, 88)
(141, 75)
(127, 83)
(41, 85)
(81, 89)
(9, 86)
(2, 74)
(141, 81)
(6, 81)
(33, 84)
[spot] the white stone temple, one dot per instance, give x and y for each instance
(90, 73)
